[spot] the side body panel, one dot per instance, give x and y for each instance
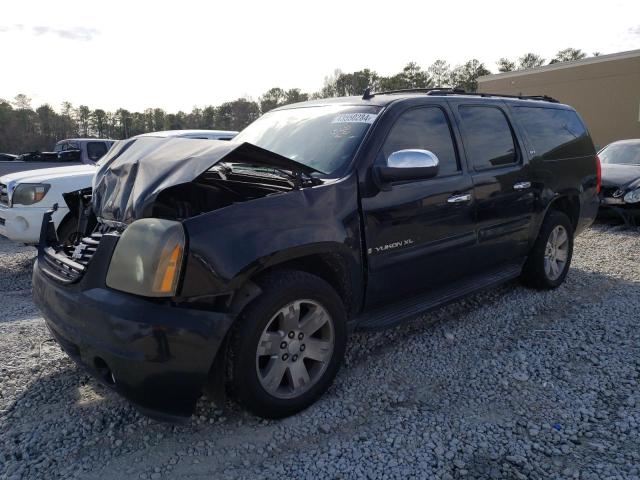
(504, 212)
(415, 237)
(572, 176)
(229, 245)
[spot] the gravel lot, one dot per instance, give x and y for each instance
(507, 384)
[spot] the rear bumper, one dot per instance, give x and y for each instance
(22, 224)
(588, 213)
(156, 355)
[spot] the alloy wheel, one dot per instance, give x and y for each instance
(556, 252)
(295, 349)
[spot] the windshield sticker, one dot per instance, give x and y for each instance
(355, 118)
(342, 131)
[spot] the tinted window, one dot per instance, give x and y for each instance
(95, 150)
(621, 153)
(555, 133)
(487, 137)
(69, 156)
(426, 129)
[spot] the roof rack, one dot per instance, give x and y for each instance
(456, 91)
(369, 94)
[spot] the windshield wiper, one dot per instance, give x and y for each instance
(297, 179)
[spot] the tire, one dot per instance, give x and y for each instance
(538, 271)
(67, 230)
(255, 373)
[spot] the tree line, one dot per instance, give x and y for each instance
(24, 129)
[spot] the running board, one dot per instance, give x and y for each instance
(391, 314)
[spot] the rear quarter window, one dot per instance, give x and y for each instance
(555, 133)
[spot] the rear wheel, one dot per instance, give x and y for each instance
(548, 263)
(288, 344)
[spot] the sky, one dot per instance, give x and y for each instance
(179, 54)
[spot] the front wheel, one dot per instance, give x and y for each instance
(548, 263)
(288, 344)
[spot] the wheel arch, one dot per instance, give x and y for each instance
(334, 267)
(567, 203)
(331, 266)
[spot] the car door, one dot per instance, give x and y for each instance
(420, 233)
(502, 183)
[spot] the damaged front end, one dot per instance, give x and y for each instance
(170, 179)
(179, 178)
(145, 293)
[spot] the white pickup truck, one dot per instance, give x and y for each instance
(26, 196)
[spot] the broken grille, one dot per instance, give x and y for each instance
(69, 264)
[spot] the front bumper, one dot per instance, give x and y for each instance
(155, 354)
(22, 223)
(616, 207)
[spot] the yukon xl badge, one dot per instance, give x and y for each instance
(391, 246)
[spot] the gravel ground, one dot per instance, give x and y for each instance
(511, 383)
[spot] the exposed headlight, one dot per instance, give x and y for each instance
(29, 193)
(633, 196)
(148, 258)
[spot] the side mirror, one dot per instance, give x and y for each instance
(409, 164)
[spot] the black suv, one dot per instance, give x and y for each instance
(247, 263)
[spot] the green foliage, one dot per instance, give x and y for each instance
(568, 55)
(466, 76)
(530, 60)
(440, 72)
(272, 98)
(505, 65)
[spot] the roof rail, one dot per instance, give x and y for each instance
(369, 94)
(543, 98)
(455, 91)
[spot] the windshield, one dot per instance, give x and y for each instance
(324, 137)
(621, 153)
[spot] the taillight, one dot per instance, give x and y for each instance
(598, 174)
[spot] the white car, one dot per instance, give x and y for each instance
(26, 196)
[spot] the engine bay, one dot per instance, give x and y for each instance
(219, 187)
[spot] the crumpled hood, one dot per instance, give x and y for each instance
(614, 175)
(45, 175)
(135, 171)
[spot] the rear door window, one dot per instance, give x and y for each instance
(424, 128)
(487, 136)
(96, 150)
(555, 133)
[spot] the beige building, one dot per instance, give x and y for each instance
(605, 90)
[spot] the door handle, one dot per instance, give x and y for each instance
(465, 197)
(522, 185)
